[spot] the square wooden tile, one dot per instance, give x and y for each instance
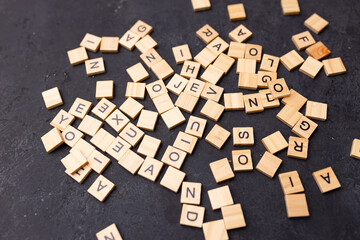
(191, 193)
(137, 72)
(80, 108)
(81, 174)
(173, 118)
(110, 232)
(212, 110)
(205, 57)
(246, 66)
(151, 57)
(62, 120)
(135, 90)
(177, 84)
(131, 161)
(212, 74)
(190, 69)
(236, 12)
(172, 179)
(242, 160)
(182, 53)
(298, 147)
(150, 169)
(156, 88)
(84, 147)
(278, 88)
(147, 120)
(275, 142)
(253, 103)
(200, 5)
(355, 149)
(303, 40)
(233, 216)
(243, 136)
(101, 188)
(128, 40)
(264, 77)
(132, 134)
(131, 107)
(163, 103)
(94, 66)
(103, 108)
(217, 46)
(311, 67)
(74, 161)
(52, 140)
(104, 89)
(91, 42)
(237, 50)
(316, 23)
(234, 101)
(318, 51)
(90, 125)
(109, 45)
(326, 180)
(141, 28)
(268, 100)
(296, 100)
(215, 230)
(186, 102)
(220, 197)
(240, 34)
(248, 81)
(102, 139)
(185, 142)
(268, 164)
(296, 205)
(52, 98)
(145, 44)
(291, 60)
(194, 87)
(221, 170)
(149, 146)
(71, 135)
(174, 157)
(217, 136)
(118, 148)
(269, 63)
(77, 56)
(290, 182)
(334, 66)
(117, 120)
(289, 115)
(304, 127)
(192, 216)
(196, 126)
(316, 110)
(98, 161)
(207, 34)
(290, 7)
(253, 51)
(224, 62)
(162, 69)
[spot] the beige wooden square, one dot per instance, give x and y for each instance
(290, 7)
(207, 34)
(334, 66)
(137, 72)
(220, 197)
(156, 88)
(190, 69)
(242, 160)
(71, 135)
(275, 142)
(291, 60)
(217, 136)
(151, 57)
(84, 147)
(109, 45)
(253, 51)
(149, 146)
(318, 51)
(191, 193)
(212, 110)
(240, 34)
(217, 46)
(91, 42)
(132, 134)
(81, 174)
(304, 127)
(316, 110)
(90, 125)
(233, 216)
(145, 44)
(192, 216)
(311, 67)
(162, 69)
(264, 77)
(221, 170)
(52, 98)
(194, 87)
(185, 142)
(326, 180)
(215, 230)
(237, 50)
(172, 179)
(177, 84)
(110, 232)
(186, 102)
(248, 81)
(303, 40)
(77, 55)
(118, 148)
(117, 120)
(268, 100)
(94, 66)
(289, 115)
(80, 108)
(212, 74)
(147, 120)
(278, 88)
(296, 100)
(98, 161)
(246, 66)
(290, 182)
(131, 161)
(174, 157)
(296, 205)
(135, 90)
(74, 161)
(104, 89)
(236, 12)
(102, 139)
(173, 118)
(253, 103)
(128, 40)
(355, 149)
(234, 101)
(268, 164)
(163, 103)
(103, 108)
(62, 120)
(205, 57)
(200, 5)
(224, 62)
(316, 23)
(243, 136)
(182, 53)
(101, 188)
(196, 126)
(131, 107)
(150, 169)
(298, 147)
(52, 140)
(141, 28)
(269, 63)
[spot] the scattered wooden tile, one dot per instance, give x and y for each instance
(94, 66)
(174, 157)
(217, 136)
(237, 50)
(212, 92)
(290, 7)
(240, 34)
(220, 197)
(147, 120)
(135, 90)
(289, 115)
(236, 12)
(316, 110)
(298, 147)
(221, 170)
(156, 88)
(303, 40)
(215, 230)
(253, 103)
(233, 216)
(90, 125)
(207, 33)
(318, 51)
(162, 70)
(128, 40)
(149, 146)
(150, 169)
(185, 142)
(118, 148)
(62, 120)
(268, 164)
(137, 72)
(102, 139)
(151, 57)
(132, 134)
(103, 109)
(311, 67)
(234, 101)
(212, 110)
(91, 42)
(246, 66)
(242, 160)
(163, 103)
(190, 193)
(83, 147)
(141, 28)
(275, 142)
(269, 63)
(117, 120)
(296, 205)
(131, 107)
(109, 45)
(74, 161)
(212, 74)
(224, 62)
(334, 66)
(190, 69)
(264, 77)
(194, 87)
(217, 46)
(173, 118)
(248, 80)
(101, 188)
(110, 232)
(253, 51)
(172, 179)
(71, 135)
(200, 5)
(291, 60)
(81, 174)
(104, 89)
(278, 88)
(290, 182)
(182, 53)
(326, 180)
(177, 84)
(355, 149)
(77, 56)
(205, 57)
(192, 216)
(268, 100)
(243, 136)
(52, 140)
(131, 161)
(196, 126)
(304, 127)
(316, 23)
(52, 98)
(145, 44)
(186, 102)
(80, 108)
(98, 161)
(296, 100)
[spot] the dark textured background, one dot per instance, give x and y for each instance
(39, 201)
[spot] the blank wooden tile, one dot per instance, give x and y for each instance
(149, 146)
(91, 42)
(84, 147)
(135, 90)
(221, 170)
(52, 140)
(212, 74)
(141, 28)
(334, 66)
(177, 84)
(131, 107)
(318, 51)
(128, 40)
(242, 160)
(145, 44)
(296, 100)
(303, 40)
(104, 89)
(109, 45)
(217, 136)
(248, 81)
(186, 102)
(131, 134)
(131, 161)
(101, 188)
(233, 101)
(233, 216)
(291, 60)
(289, 115)
(212, 110)
(137, 72)
(156, 88)
(268, 100)
(304, 127)
(355, 149)
(311, 67)
(269, 63)
(194, 87)
(162, 70)
(174, 157)
(240, 34)
(185, 142)
(236, 50)
(81, 174)
(253, 103)
(90, 125)
(147, 120)
(278, 88)
(264, 77)
(236, 12)
(192, 216)
(190, 193)
(98, 161)
(182, 53)
(94, 66)
(246, 66)
(52, 98)
(71, 135)
(110, 232)
(173, 118)
(243, 136)
(290, 182)
(117, 120)
(296, 205)
(326, 180)
(207, 33)
(316, 23)
(103, 108)
(163, 103)
(215, 230)
(62, 120)
(205, 57)
(217, 46)
(224, 62)
(150, 169)
(118, 148)
(80, 108)
(151, 57)
(102, 139)
(172, 179)
(316, 110)
(74, 161)
(200, 5)
(77, 55)
(253, 51)
(275, 142)
(220, 197)
(268, 164)
(298, 147)
(190, 69)
(290, 7)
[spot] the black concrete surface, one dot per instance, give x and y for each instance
(39, 201)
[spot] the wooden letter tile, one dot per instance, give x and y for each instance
(74, 161)
(190, 69)
(182, 53)
(94, 66)
(62, 120)
(118, 148)
(233, 216)
(206, 33)
(355, 149)
(163, 103)
(191, 193)
(185, 142)
(253, 103)
(98, 161)
(291, 60)
(243, 136)
(237, 50)
(186, 102)
(290, 182)
(109, 45)
(220, 197)
(316, 110)
(268, 100)
(192, 216)
(71, 135)
(156, 89)
(296, 205)
(196, 126)
(177, 84)
(80, 108)
(172, 179)
(269, 63)
(248, 81)
(149, 146)
(316, 23)
(290, 7)
(242, 160)
(240, 34)
(90, 125)
(81, 174)
(326, 180)
(234, 101)
(103, 109)
(275, 142)
(151, 57)
(128, 40)
(215, 230)
(221, 170)
(173, 118)
(104, 89)
(131, 161)
(131, 134)
(334, 66)
(224, 62)
(217, 136)
(253, 51)
(111, 232)
(264, 77)
(117, 120)
(303, 40)
(296, 100)
(205, 57)
(236, 12)
(278, 88)
(212, 110)
(102, 139)
(318, 51)
(246, 66)
(298, 147)
(162, 70)
(131, 107)
(268, 164)
(174, 157)
(147, 120)
(145, 44)
(77, 56)
(311, 67)
(217, 46)
(212, 74)
(141, 28)
(212, 92)
(289, 115)
(101, 188)
(52, 140)
(150, 169)
(52, 98)
(137, 72)
(200, 5)
(304, 127)
(91, 42)
(135, 90)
